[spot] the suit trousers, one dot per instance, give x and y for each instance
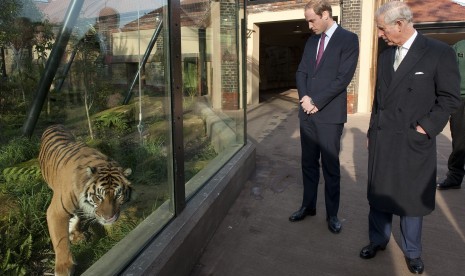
(380, 228)
(456, 162)
(321, 140)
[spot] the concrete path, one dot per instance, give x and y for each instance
(256, 237)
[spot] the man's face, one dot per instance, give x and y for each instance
(317, 24)
(391, 33)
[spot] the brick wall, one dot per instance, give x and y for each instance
(271, 5)
(229, 57)
(351, 20)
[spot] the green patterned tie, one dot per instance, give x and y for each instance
(398, 58)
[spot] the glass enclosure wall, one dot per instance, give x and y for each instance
(101, 70)
(210, 75)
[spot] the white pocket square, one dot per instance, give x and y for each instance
(419, 73)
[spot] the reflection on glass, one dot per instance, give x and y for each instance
(213, 113)
(111, 91)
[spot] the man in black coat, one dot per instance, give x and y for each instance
(456, 161)
(327, 67)
(417, 88)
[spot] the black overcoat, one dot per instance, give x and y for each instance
(423, 91)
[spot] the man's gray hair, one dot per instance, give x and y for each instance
(394, 11)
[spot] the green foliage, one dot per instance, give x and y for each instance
(190, 84)
(24, 242)
(147, 161)
(10, 126)
(44, 42)
(9, 10)
(9, 265)
(115, 121)
(13, 13)
(19, 149)
(189, 77)
(154, 165)
(101, 240)
(104, 90)
(198, 153)
(21, 174)
(18, 25)
(12, 105)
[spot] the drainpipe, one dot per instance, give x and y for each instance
(341, 5)
(52, 65)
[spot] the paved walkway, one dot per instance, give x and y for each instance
(256, 237)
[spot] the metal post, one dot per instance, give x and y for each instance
(174, 18)
(244, 71)
(52, 66)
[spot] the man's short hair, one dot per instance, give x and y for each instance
(319, 6)
(394, 11)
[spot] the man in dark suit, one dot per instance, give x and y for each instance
(327, 67)
(456, 161)
(417, 88)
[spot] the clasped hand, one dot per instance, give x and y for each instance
(307, 105)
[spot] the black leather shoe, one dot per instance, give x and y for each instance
(302, 213)
(334, 225)
(445, 185)
(370, 250)
(415, 266)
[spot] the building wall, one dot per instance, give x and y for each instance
(262, 6)
(348, 12)
(351, 20)
(229, 66)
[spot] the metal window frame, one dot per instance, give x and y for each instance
(174, 27)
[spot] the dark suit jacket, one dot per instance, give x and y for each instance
(327, 85)
(424, 90)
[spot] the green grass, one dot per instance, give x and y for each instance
(17, 150)
(24, 242)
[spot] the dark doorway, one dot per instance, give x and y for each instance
(281, 48)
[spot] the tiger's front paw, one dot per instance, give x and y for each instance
(65, 268)
(77, 236)
(76, 233)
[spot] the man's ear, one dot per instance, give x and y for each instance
(400, 24)
(325, 15)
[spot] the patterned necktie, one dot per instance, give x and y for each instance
(398, 58)
(321, 49)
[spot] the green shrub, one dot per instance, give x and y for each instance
(115, 121)
(101, 240)
(18, 150)
(112, 120)
(22, 174)
(25, 247)
(9, 265)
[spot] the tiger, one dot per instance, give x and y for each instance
(86, 184)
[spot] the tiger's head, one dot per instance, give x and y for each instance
(107, 189)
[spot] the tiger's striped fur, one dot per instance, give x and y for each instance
(85, 183)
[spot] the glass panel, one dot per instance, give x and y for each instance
(213, 113)
(95, 92)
